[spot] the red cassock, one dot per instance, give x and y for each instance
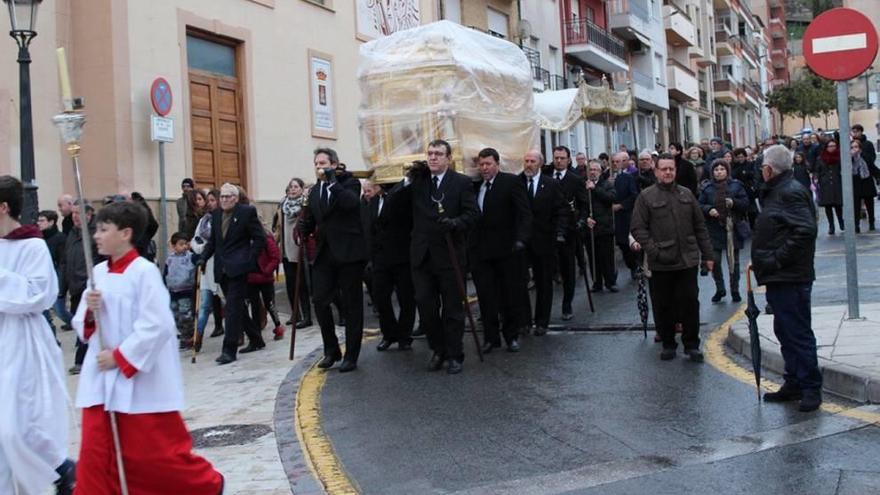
(156, 453)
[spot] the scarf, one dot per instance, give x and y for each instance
(291, 207)
(830, 158)
(24, 232)
(860, 168)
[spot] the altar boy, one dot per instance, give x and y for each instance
(133, 370)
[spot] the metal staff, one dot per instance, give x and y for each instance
(70, 124)
(574, 213)
(731, 258)
(300, 260)
(197, 336)
(461, 288)
(592, 235)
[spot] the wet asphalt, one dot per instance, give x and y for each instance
(596, 412)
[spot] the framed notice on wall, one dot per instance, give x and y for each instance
(322, 95)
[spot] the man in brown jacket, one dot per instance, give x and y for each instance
(668, 224)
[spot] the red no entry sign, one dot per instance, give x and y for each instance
(160, 96)
(840, 44)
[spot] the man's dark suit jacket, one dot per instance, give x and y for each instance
(390, 229)
(456, 194)
(505, 219)
(550, 214)
(337, 225)
(575, 194)
(235, 254)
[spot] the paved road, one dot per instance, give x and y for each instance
(596, 412)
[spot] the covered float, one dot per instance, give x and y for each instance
(444, 81)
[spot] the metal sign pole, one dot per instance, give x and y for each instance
(849, 213)
(163, 207)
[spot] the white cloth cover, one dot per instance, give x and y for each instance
(33, 391)
(135, 317)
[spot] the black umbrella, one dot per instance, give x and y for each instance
(752, 312)
(642, 297)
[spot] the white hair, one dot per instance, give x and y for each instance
(645, 152)
(778, 157)
(228, 188)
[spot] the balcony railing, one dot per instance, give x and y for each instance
(557, 82)
(632, 7)
(749, 51)
(704, 100)
(541, 75)
(579, 31)
(725, 85)
(672, 61)
(533, 55)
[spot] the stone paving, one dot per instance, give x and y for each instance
(848, 349)
(243, 392)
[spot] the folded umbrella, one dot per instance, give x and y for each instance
(752, 313)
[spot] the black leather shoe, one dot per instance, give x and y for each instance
(613, 288)
(567, 316)
(436, 363)
(540, 331)
(735, 297)
(225, 359)
(418, 332)
(596, 288)
(303, 323)
(667, 354)
(454, 367)
(384, 345)
(252, 347)
(513, 346)
(811, 400)
(488, 346)
(217, 332)
(719, 295)
(328, 361)
(787, 392)
(66, 482)
(404, 346)
(695, 355)
(347, 366)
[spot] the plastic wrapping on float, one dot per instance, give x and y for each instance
(444, 81)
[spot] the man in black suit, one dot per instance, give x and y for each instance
(626, 189)
(575, 195)
(550, 216)
(444, 207)
(390, 224)
(334, 217)
(237, 238)
(600, 228)
(495, 247)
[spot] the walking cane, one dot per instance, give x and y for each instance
(592, 236)
(70, 124)
(459, 278)
(300, 259)
(197, 336)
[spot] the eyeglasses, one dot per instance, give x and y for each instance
(227, 196)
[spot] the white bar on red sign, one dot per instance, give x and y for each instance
(840, 43)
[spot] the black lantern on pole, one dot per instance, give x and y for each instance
(23, 17)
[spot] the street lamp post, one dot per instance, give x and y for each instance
(23, 17)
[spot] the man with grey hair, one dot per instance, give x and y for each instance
(237, 238)
(783, 252)
(65, 208)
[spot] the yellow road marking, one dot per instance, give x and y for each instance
(715, 356)
(316, 446)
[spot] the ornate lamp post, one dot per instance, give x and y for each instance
(23, 17)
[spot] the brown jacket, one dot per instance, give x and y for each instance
(669, 225)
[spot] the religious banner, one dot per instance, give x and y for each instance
(378, 18)
(323, 104)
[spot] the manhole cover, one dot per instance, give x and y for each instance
(223, 435)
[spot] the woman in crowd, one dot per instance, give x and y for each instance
(210, 289)
(864, 189)
(195, 208)
(695, 155)
(801, 169)
(830, 187)
(284, 227)
(722, 199)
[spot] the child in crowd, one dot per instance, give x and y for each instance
(180, 272)
(33, 408)
(135, 374)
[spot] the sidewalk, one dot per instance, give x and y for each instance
(849, 350)
(223, 397)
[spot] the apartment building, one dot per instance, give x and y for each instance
(698, 121)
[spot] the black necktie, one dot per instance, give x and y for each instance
(531, 188)
(436, 183)
(325, 198)
(559, 176)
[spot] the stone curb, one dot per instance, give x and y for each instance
(293, 460)
(839, 379)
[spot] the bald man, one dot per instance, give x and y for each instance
(65, 208)
(550, 217)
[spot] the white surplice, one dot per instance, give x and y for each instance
(136, 318)
(33, 391)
